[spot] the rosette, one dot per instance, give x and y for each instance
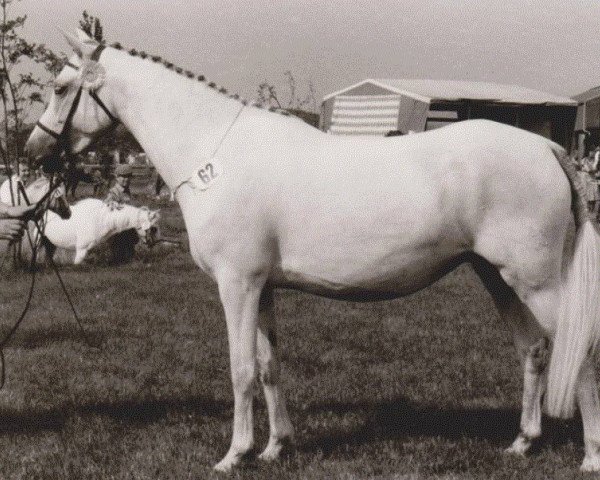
(92, 75)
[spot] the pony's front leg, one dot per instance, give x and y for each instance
(80, 254)
(281, 431)
(240, 298)
(589, 405)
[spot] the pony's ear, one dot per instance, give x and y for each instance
(83, 36)
(82, 44)
(74, 42)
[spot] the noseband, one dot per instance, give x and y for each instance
(62, 138)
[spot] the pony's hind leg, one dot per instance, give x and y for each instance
(281, 431)
(531, 346)
(589, 405)
(534, 361)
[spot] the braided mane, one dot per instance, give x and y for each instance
(200, 78)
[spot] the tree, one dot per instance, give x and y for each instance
(304, 107)
(267, 95)
(20, 89)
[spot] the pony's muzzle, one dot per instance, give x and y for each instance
(39, 144)
(40, 148)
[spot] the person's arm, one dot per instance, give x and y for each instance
(11, 228)
(13, 220)
(17, 211)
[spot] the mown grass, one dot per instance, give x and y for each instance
(418, 388)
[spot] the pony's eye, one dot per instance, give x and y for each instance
(60, 89)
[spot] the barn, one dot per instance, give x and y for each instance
(387, 106)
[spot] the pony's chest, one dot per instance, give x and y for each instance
(225, 232)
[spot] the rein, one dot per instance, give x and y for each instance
(51, 163)
(35, 244)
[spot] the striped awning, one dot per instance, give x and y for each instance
(365, 114)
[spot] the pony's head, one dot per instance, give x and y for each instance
(147, 228)
(75, 115)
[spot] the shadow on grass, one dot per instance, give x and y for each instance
(400, 419)
(36, 337)
(137, 413)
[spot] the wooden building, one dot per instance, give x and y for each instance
(587, 124)
(381, 106)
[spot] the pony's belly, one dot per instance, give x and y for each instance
(365, 282)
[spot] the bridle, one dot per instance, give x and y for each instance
(63, 143)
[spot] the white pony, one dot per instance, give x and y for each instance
(271, 202)
(57, 205)
(92, 222)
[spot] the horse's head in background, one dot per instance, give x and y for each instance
(75, 115)
(147, 228)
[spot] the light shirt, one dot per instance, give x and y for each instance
(5, 196)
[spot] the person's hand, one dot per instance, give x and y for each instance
(11, 229)
(19, 211)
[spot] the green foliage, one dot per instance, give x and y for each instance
(302, 107)
(267, 95)
(20, 89)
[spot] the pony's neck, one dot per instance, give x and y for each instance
(177, 121)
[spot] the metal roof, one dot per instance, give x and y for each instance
(454, 90)
(588, 95)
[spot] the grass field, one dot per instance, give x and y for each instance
(425, 387)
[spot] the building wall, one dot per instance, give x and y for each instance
(553, 122)
(587, 127)
(412, 115)
(326, 113)
(365, 110)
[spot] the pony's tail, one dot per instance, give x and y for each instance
(578, 328)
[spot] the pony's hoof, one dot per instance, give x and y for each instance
(224, 466)
(274, 448)
(232, 460)
(590, 464)
(519, 447)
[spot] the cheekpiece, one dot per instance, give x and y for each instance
(92, 75)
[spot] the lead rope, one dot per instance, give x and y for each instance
(11, 332)
(35, 244)
(41, 230)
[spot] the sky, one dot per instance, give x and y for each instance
(550, 45)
